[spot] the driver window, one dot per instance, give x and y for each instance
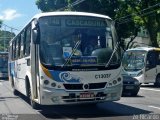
(151, 59)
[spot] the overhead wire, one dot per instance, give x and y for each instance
(122, 20)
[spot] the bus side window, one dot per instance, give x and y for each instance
(18, 46)
(12, 53)
(151, 59)
(28, 40)
(14, 49)
(22, 44)
(158, 58)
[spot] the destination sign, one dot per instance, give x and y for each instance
(72, 21)
(84, 60)
(84, 22)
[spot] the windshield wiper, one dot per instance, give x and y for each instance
(72, 53)
(115, 49)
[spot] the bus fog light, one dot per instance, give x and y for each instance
(59, 86)
(46, 82)
(55, 99)
(53, 84)
(102, 98)
(119, 79)
(114, 82)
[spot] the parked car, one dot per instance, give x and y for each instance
(131, 86)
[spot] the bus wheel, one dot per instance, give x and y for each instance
(31, 102)
(15, 92)
(157, 83)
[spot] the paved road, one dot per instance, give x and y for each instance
(145, 106)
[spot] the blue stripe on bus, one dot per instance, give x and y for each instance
(64, 76)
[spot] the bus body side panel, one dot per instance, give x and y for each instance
(22, 70)
(151, 67)
(150, 75)
(35, 72)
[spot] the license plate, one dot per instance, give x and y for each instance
(129, 87)
(86, 95)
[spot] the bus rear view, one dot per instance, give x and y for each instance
(3, 65)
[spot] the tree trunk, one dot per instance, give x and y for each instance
(152, 29)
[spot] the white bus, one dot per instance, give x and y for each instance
(66, 58)
(143, 63)
(3, 65)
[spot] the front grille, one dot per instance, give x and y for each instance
(80, 86)
(97, 85)
(73, 86)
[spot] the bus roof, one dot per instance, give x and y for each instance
(70, 13)
(144, 48)
(3, 52)
(37, 16)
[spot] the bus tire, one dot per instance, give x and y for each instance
(33, 104)
(15, 92)
(157, 83)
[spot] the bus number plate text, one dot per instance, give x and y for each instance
(86, 95)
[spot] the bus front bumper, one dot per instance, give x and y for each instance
(52, 96)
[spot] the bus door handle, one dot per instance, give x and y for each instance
(28, 61)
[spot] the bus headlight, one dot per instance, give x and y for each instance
(119, 79)
(114, 82)
(46, 82)
(53, 84)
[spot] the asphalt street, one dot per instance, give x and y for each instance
(145, 106)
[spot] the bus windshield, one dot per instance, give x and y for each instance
(77, 41)
(3, 63)
(133, 60)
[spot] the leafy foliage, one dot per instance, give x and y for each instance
(5, 37)
(51, 5)
(129, 15)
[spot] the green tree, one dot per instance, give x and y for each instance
(137, 13)
(5, 37)
(142, 13)
(51, 5)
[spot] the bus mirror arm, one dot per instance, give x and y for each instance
(35, 36)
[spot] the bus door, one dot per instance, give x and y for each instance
(151, 70)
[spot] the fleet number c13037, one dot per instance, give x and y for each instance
(102, 76)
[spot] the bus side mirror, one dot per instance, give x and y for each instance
(35, 36)
(35, 32)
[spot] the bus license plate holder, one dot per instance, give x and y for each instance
(86, 95)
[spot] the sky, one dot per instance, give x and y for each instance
(17, 13)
